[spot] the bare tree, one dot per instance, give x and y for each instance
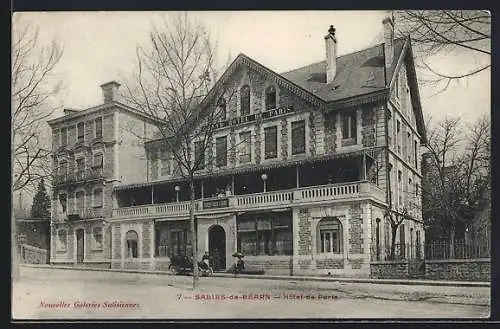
(457, 181)
(34, 87)
(174, 85)
(444, 32)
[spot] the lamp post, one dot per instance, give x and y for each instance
(264, 178)
(177, 189)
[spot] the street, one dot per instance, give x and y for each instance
(44, 293)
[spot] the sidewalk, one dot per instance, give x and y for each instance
(283, 277)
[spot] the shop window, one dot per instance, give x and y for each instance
(329, 235)
(132, 244)
(267, 235)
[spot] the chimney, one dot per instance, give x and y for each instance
(110, 91)
(388, 23)
(331, 54)
(69, 111)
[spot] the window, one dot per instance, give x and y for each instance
(417, 187)
(97, 238)
(63, 168)
(153, 162)
(408, 142)
(80, 202)
(98, 198)
(80, 127)
(221, 151)
(400, 192)
(267, 234)
(221, 105)
(62, 239)
(398, 130)
(131, 244)
(409, 185)
(98, 128)
(64, 136)
(415, 154)
(177, 242)
(330, 235)
(299, 137)
(98, 160)
(417, 242)
(270, 142)
(63, 200)
(270, 98)
(80, 168)
(199, 155)
(349, 125)
(245, 147)
(164, 162)
(245, 100)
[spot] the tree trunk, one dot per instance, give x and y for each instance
(194, 238)
(394, 230)
(452, 243)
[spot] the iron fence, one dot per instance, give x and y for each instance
(461, 249)
(403, 251)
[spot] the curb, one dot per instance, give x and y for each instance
(277, 277)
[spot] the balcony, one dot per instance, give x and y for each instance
(79, 176)
(258, 201)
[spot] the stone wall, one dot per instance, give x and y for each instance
(459, 269)
(323, 264)
(330, 132)
(389, 270)
(270, 264)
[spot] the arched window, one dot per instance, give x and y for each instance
(245, 100)
(97, 238)
(329, 235)
(62, 239)
(221, 108)
(131, 239)
(270, 98)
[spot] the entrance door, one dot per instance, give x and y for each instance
(79, 246)
(217, 247)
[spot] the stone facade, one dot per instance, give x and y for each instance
(356, 242)
(368, 126)
(459, 269)
(330, 128)
(323, 264)
(389, 270)
(304, 234)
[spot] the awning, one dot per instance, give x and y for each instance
(256, 168)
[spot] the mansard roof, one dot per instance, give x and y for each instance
(358, 73)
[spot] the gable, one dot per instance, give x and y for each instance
(405, 67)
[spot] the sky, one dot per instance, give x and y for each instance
(100, 47)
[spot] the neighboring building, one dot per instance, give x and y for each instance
(93, 150)
(298, 178)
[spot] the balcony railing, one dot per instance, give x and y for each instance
(89, 174)
(285, 198)
(78, 214)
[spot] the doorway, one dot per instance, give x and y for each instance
(217, 247)
(80, 239)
